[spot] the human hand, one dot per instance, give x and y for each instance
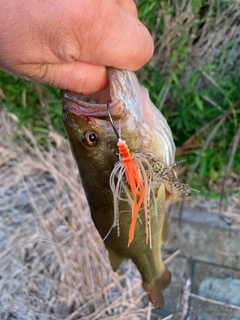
(67, 44)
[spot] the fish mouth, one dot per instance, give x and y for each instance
(95, 105)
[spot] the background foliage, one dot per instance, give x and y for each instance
(193, 78)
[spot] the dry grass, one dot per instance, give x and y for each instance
(205, 40)
(53, 262)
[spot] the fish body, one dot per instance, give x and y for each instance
(94, 146)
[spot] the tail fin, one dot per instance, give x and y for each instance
(155, 288)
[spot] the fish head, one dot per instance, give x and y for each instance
(91, 135)
(93, 141)
(136, 119)
(93, 145)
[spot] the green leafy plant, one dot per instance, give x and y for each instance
(200, 100)
(38, 107)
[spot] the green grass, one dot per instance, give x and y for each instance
(200, 101)
(192, 95)
(38, 107)
(189, 108)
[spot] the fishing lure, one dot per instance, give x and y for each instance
(135, 179)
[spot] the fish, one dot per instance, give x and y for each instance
(91, 127)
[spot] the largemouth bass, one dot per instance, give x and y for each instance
(94, 146)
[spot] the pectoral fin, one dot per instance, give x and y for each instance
(165, 229)
(171, 192)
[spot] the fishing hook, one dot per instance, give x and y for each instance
(111, 120)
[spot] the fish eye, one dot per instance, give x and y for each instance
(90, 138)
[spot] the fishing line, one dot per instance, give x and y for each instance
(111, 120)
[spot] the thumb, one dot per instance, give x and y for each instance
(74, 76)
